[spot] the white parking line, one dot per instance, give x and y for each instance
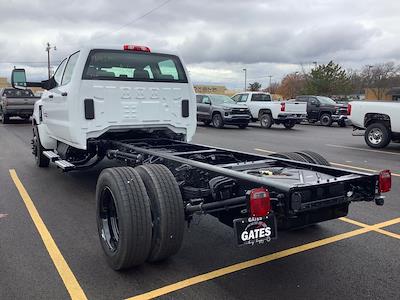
(361, 149)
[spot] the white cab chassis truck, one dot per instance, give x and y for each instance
(378, 122)
(138, 107)
(268, 112)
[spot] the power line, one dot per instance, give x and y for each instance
(134, 20)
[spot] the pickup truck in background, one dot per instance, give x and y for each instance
(379, 122)
(16, 103)
(268, 112)
(324, 110)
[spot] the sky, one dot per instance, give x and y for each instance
(216, 39)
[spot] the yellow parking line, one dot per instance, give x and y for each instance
(388, 233)
(361, 149)
(258, 261)
(70, 282)
(336, 164)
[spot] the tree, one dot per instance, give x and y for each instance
(256, 86)
(273, 88)
(381, 77)
(329, 79)
(291, 85)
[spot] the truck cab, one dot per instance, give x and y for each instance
(125, 91)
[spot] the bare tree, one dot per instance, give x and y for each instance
(381, 77)
(292, 85)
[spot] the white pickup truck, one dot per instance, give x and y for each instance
(379, 122)
(268, 112)
(138, 108)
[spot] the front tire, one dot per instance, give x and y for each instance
(289, 124)
(217, 121)
(123, 217)
(37, 150)
(5, 119)
(325, 120)
(167, 211)
(342, 123)
(377, 135)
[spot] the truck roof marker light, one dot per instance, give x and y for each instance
(136, 48)
(385, 181)
(259, 202)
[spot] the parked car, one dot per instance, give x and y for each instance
(378, 122)
(324, 110)
(18, 103)
(269, 112)
(220, 110)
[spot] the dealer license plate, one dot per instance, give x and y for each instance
(255, 230)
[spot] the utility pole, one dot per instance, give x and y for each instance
(48, 48)
(315, 64)
(270, 76)
(245, 79)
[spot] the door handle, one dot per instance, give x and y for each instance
(64, 94)
(51, 96)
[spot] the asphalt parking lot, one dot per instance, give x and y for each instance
(353, 258)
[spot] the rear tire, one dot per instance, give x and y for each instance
(167, 211)
(37, 150)
(377, 135)
(314, 158)
(290, 155)
(123, 217)
(243, 126)
(217, 121)
(266, 120)
(325, 120)
(207, 122)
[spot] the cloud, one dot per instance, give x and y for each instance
(213, 37)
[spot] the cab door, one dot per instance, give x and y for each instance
(56, 109)
(313, 108)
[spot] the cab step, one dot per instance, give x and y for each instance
(64, 165)
(51, 155)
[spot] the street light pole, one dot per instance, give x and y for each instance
(245, 79)
(48, 48)
(270, 76)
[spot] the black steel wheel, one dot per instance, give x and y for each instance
(217, 121)
(377, 135)
(167, 211)
(266, 120)
(123, 217)
(37, 150)
(325, 119)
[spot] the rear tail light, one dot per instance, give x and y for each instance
(385, 181)
(283, 106)
(259, 202)
(136, 48)
(349, 109)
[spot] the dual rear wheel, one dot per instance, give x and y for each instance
(140, 215)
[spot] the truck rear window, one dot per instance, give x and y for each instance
(133, 66)
(14, 93)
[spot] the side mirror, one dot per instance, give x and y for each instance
(207, 101)
(18, 79)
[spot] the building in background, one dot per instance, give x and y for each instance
(383, 94)
(4, 83)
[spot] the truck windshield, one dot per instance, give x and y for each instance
(326, 100)
(14, 93)
(221, 99)
(133, 66)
